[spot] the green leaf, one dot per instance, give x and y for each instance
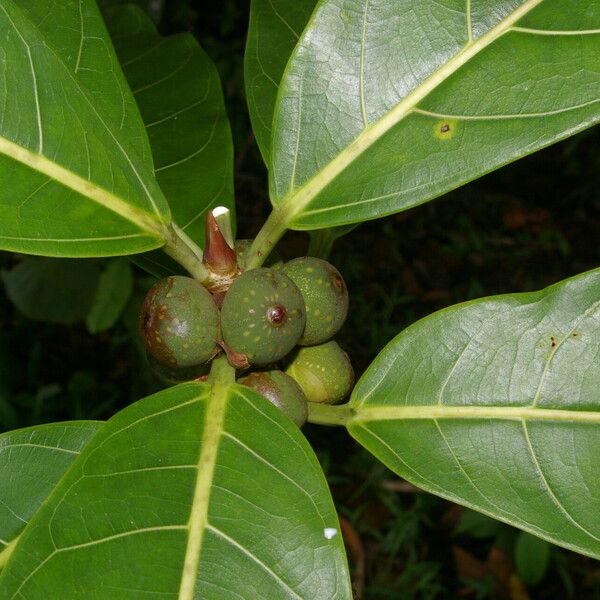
(178, 92)
(177, 496)
(531, 558)
(275, 28)
(494, 404)
(115, 286)
(75, 164)
(32, 461)
(52, 290)
(385, 105)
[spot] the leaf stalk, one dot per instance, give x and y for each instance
(186, 252)
(221, 372)
(271, 232)
(326, 414)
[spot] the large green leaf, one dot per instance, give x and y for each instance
(275, 28)
(386, 104)
(76, 175)
(178, 497)
(178, 91)
(495, 404)
(32, 461)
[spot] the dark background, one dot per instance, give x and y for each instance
(520, 228)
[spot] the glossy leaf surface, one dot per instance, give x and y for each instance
(32, 461)
(275, 28)
(178, 497)
(386, 104)
(75, 164)
(495, 404)
(178, 92)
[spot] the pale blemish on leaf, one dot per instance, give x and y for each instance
(445, 130)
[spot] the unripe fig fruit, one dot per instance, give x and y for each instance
(179, 322)
(173, 375)
(323, 372)
(325, 295)
(262, 315)
(282, 391)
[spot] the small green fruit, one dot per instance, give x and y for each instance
(282, 391)
(325, 295)
(323, 372)
(262, 316)
(179, 323)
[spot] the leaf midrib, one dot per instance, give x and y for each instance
(146, 221)
(295, 201)
(198, 520)
(37, 162)
(6, 552)
(501, 413)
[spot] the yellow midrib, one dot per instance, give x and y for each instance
(39, 163)
(295, 201)
(211, 437)
(7, 551)
(502, 413)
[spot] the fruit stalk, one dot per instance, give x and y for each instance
(221, 372)
(181, 248)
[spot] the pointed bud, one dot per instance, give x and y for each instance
(219, 257)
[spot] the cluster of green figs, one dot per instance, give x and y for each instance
(274, 324)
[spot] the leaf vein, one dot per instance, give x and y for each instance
(551, 493)
(254, 558)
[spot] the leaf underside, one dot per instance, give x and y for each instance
(178, 497)
(495, 404)
(386, 104)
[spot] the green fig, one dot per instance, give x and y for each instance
(179, 323)
(262, 316)
(282, 391)
(325, 295)
(323, 372)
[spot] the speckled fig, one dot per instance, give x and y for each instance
(325, 296)
(282, 391)
(323, 372)
(174, 375)
(179, 323)
(262, 316)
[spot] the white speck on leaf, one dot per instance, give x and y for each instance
(330, 532)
